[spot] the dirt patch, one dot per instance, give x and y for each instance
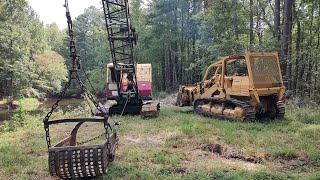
(41, 175)
(205, 160)
(155, 140)
(228, 153)
(298, 164)
(4, 176)
(231, 156)
(170, 100)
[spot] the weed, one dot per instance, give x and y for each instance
(166, 158)
(176, 141)
(172, 170)
(237, 175)
(310, 132)
(286, 155)
(269, 176)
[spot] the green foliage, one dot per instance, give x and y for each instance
(51, 72)
(39, 76)
(23, 55)
(28, 104)
(92, 39)
(21, 119)
(160, 95)
(223, 26)
(97, 78)
(55, 37)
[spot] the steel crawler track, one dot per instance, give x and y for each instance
(280, 109)
(249, 109)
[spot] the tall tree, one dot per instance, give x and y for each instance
(277, 32)
(251, 25)
(286, 34)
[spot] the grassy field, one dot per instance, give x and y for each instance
(180, 145)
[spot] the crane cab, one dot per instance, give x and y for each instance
(144, 82)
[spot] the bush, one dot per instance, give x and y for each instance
(163, 94)
(160, 95)
(28, 104)
(20, 119)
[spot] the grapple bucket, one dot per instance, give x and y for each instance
(69, 161)
(150, 110)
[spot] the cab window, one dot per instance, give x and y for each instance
(237, 68)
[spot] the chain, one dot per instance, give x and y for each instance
(73, 74)
(54, 106)
(89, 140)
(99, 107)
(107, 134)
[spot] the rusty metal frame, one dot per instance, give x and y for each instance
(69, 161)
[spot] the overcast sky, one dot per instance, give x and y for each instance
(50, 11)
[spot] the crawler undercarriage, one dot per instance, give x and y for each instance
(242, 87)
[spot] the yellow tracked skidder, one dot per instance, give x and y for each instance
(240, 87)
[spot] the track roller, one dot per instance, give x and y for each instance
(230, 109)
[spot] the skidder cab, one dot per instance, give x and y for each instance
(240, 87)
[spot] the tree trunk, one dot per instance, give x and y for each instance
(286, 34)
(182, 45)
(301, 74)
(163, 68)
(290, 52)
(251, 26)
(309, 75)
(195, 10)
(277, 32)
(296, 76)
(170, 67)
(315, 86)
(175, 50)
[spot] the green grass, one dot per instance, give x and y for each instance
(168, 147)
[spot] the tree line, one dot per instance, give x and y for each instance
(30, 65)
(182, 37)
(179, 37)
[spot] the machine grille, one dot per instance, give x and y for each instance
(265, 71)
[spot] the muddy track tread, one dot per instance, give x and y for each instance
(281, 110)
(249, 109)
